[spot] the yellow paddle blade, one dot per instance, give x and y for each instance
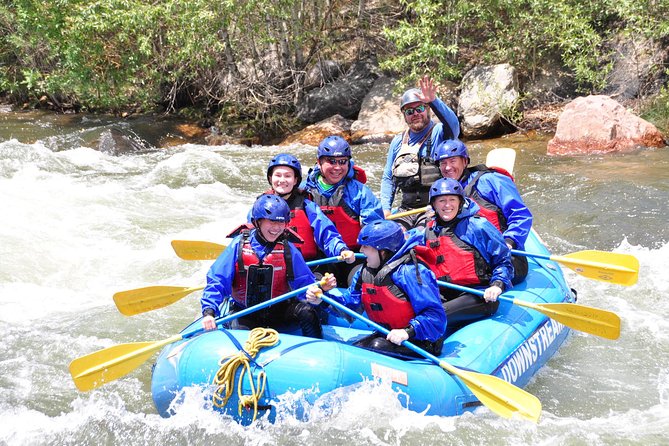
(502, 157)
(605, 324)
(197, 250)
(613, 267)
(149, 298)
(405, 213)
(95, 369)
(502, 397)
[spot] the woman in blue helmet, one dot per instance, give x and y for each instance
(260, 264)
(284, 174)
(396, 291)
(496, 194)
(334, 185)
(465, 249)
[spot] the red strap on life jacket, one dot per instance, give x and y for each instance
(359, 174)
(503, 172)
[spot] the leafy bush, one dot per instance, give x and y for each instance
(446, 37)
(251, 56)
(657, 111)
(441, 35)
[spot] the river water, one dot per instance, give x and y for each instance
(79, 225)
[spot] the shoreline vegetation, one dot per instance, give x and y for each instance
(246, 66)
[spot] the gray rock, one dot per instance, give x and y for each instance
(343, 97)
(379, 118)
(323, 72)
(489, 95)
(116, 141)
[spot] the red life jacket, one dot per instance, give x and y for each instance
(359, 174)
(488, 210)
(344, 218)
(279, 264)
(386, 303)
(300, 224)
(453, 260)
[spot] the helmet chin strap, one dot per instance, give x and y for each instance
(261, 238)
(263, 241)
(384, 256)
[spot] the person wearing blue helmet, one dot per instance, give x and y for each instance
(409, 165)
(463, 248)
(396, 291)
(496, 194)
(334, 185)
(319, 235)
(260, 264)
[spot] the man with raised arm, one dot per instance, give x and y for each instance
(409, 165)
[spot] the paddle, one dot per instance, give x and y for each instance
(197, 250)
(141, 300)
(612, 267)
(409, 212)
(200, 250)
(98, 368)
(502, 157)
(621, 269)
(501, 397)
(579, 317)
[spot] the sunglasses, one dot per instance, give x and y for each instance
(333, 161)
(411, 111)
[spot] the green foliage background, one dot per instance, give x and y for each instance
(248, 58)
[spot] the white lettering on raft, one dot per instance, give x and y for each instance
(530, 351)
(386, 373)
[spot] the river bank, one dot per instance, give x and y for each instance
(166, 130)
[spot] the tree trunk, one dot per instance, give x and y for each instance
(230, 63)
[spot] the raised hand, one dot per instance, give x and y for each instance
(428, 89)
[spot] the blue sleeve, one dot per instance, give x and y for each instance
(502, 191)
(301, 272)
(363, 202)
(430, 319)
(447, 117)
(481, 234)
(326, 234)
(387, 182)
(219, 278)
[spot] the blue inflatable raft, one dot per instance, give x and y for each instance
(512, 345)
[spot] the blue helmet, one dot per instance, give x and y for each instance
(334, 146)
(285, 159)
(382, 234)
(446, 186)
(272, 207)
(410, 96)
(450, 148)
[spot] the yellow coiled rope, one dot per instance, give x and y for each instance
(225, 377)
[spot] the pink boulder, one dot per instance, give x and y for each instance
(599, 124)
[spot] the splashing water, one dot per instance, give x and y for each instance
(80, 225)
